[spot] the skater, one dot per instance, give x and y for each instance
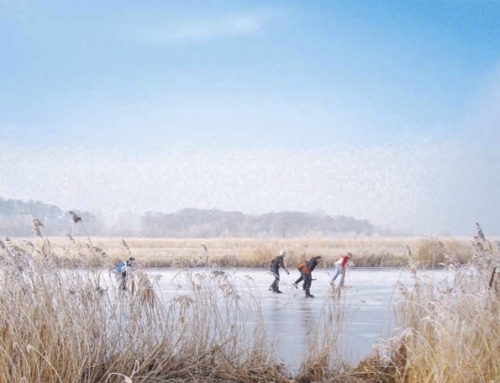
(276, 263)
(340, 266)
(300, 266)
(306, 274)
(121, 270)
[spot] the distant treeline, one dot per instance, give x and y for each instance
(16, 220)
(216, 223)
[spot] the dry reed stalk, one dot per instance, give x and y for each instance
(324, 358)
(77, 219)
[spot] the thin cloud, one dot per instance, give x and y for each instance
(203, 30)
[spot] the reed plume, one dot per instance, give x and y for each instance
(37, 225)
(77, 219)
(124, 244)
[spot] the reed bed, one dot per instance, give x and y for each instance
(75, 325)
(258, 252)
(71, 326)
(447, 331)
(62, 321)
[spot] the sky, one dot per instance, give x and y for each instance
(385, 111)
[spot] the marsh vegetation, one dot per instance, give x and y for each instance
(60, 322)
(256, 252)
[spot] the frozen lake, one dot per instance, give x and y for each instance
(365, 302)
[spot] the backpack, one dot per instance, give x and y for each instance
(301, 265)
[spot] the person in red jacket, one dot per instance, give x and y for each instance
(340, 269)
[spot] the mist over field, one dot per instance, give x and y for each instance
(433, 188)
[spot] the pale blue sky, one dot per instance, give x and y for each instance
(382, 110)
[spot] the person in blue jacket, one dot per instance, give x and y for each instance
(121, 270)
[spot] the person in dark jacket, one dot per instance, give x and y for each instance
(300, 267)
(306, 274)
(276, 263)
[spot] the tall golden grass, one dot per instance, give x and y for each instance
(448, 330)
(62, 325)
(257, 252)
